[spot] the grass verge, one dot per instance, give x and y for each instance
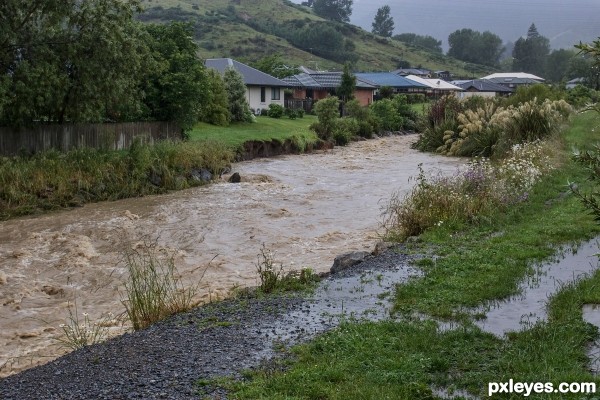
(264, 129)
(473, 264)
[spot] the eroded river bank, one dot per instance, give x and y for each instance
(306, 209)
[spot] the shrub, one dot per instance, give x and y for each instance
(291, 113)
(345, 129)
(415, 98)
(275, 110)
(440, 118)
(541, 92)
(328, 113)
(387, 115)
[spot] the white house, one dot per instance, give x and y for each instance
(261, 89)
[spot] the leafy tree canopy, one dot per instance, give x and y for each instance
(475, 47)
(427, 42)
(383, 23)
(335, 10)
(69, 60)
(274, 66)
(530, 54)
(176, 88)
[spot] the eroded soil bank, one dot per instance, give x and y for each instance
(305, 208)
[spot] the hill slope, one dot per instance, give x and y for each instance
(252, 29)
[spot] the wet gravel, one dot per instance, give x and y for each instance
(167, 360)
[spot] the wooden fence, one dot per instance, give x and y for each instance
(110, 136)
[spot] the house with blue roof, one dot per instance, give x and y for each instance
(398, 83)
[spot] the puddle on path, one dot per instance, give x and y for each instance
(351, 295)
(524, 310)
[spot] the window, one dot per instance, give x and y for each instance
(263, 94)
(275, 93)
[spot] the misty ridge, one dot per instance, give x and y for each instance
(563, 23)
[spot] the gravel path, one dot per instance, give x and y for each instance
(166, 360)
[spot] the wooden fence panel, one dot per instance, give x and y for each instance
(110, 136)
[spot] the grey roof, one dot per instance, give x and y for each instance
(325, 80)
(514, 81)
(482, 85)
(388, 79)
(412, 71)
(251, 76)
(301, 80)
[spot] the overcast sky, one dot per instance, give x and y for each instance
(564, 22)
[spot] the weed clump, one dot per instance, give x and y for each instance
(470, 195)
(154, 289)
(79, 332)
(273, 278)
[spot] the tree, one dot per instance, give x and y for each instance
(335, 10)
(215, 109)
(239, 110)
(558, 65)
(427, 42)
(176, 89)
(274, 66)
(475, 47)
(592, 52)
(383, 25)
(347, 86)
(69, 60)
(531, 53)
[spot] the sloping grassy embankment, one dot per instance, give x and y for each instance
(475, 264)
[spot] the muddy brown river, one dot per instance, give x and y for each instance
(305, 208)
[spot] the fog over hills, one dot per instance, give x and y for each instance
(564, 22)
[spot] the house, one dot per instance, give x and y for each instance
(482, 88)
(318, 85)
(445, 75)
(513, 80)
(398, 83)
(261, 89)
(420, 72)
(435, 87)
(574, 82)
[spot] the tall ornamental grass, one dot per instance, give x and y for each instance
(485, 128)
(52, 180)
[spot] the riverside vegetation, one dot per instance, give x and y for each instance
(489, 238)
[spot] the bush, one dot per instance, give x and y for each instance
(440, 118)
(345, 129)
(387, 115)
(415, 98)
(275, 110)
(541, 92)
(291, 113)
(328, 113)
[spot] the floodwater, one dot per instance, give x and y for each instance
(306, 209)
(529, 306)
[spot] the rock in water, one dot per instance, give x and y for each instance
(348, 260)
(235, 178)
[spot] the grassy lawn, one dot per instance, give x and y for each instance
(403, 360)
(264, 129)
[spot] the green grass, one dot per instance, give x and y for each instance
(264, 129)
(403, 360)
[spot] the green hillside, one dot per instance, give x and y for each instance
(248, 30)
